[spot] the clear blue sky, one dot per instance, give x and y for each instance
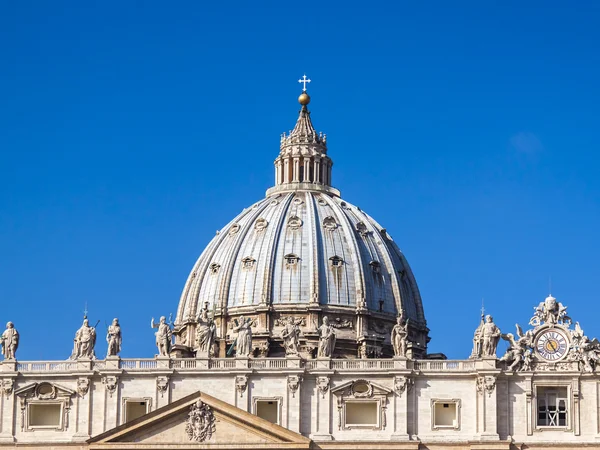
(131, 131)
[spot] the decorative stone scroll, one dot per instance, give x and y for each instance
(200, 424)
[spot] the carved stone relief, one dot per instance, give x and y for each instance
(241, 382)
(486, 384)
(6, 386)
(338, 322)
(162, 385)
(294, 383)
(402, 383)
(283, 320)
(83, 386)
(110, 382)
(200, 424)
(323, 385)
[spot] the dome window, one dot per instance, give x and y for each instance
(214, 268)
(294, 222)
(362, 229)
(291, 260)
(234, 229)
(260, 224)
(329, 223)
(336, 261)
(375, 266)
(248, 262)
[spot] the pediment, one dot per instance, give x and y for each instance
(360, 389)
(44, 391)
(199, 421)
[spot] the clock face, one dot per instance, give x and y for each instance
(552, 345)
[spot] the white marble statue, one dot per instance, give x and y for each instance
(400, 337)
(114, 339)
(515, 354)
(10, 341)
(84, 341)
(164, 336)
(490, 336)
(584, 350)
(326, 339)
(243, 342)
(291, 337)
(205, 333)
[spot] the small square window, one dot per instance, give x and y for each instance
(134, 408)
(268, 409)
(445, 414)
(552, 406)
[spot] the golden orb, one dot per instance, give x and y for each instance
(304, 99)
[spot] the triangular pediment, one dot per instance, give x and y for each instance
(199, 421)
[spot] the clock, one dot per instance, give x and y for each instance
(552, 344)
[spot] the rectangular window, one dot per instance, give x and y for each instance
(445, 414)
(268, 408)
(362, 414)
(552, 409)
(45, 415)
(134, 408)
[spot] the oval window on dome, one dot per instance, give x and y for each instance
(260, 224)
(214, 268)
(298, 201)
(362, 229)
(375, 266)
(329, 223)
(294, 222)
(234, 229)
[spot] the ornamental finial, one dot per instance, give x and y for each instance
(304, 98)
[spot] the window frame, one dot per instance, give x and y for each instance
(126, 400)
(457, 403)
(355, 426)
(550, 387)
(278, 400)
(61, 421)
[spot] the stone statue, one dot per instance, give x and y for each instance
(326, 339)
(205, 333)
(10, 341)
(243, 342)
(84, 342)
(113, 337)
(550, 311)
(515, 354)
(478, 339)
(585, 351)
(291, 337)
(400, 337)
(164, 336)
(362, 350)
(490, 335)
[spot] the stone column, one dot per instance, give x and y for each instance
(7, 410)
(111, 400)
(286, 170)
(83, 418)
(487, 409)
(296, 172)
(316, 171)
(307, 178)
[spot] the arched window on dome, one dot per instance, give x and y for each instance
(336, 261)
(248, 262)
(291, 260)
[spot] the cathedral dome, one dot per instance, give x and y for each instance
(305, 253)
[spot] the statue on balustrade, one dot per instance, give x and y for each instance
(400, 337)
(490, 336)
(10, 341)
(243, 342)
(84, 342)
(164, 336)
(515, 355)
(291, 337)
(206, 333)
(114, 339)
(326, 339)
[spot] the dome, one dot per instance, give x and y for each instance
(303, 252)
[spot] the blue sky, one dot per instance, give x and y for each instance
(131, 131)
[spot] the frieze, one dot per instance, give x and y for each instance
(338, 322)
(283, 320)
